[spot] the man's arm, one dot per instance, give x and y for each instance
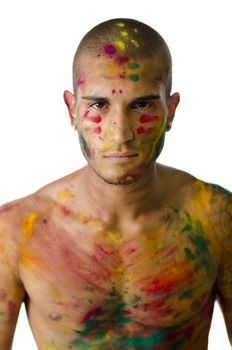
(11, 289)
(224, 279)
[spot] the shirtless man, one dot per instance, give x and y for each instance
(124, 253)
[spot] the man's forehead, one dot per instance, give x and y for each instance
(131, 70)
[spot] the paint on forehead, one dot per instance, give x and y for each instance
(148, 118)
(80, 81)
(120, 44)
(135, 42)
(124, 34)
(109, 49)
(122, 59)
(134, 77)
(134, 65)
(120, 24)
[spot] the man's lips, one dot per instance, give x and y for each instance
(121, 155)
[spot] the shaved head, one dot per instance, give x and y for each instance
(125, 37)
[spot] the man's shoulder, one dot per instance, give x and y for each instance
(13, 213)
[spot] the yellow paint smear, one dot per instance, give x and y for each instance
(28, 224)
(64, 193)
(136, 30)
(120, 24)
(135, 42)
(124, 34)
(115, 237)
(120, 44)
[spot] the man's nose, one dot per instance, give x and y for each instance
(120, 130)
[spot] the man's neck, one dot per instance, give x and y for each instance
(123, 201)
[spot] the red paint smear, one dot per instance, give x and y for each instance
(120, 91)
(109, 49)
(140, 130)
(98, 130)
(122, 75)
(187, 332)
(165, 287)
(6, 208)
(66, 211)
(113, 91)
(92, 313)
(122, 59)
(131, 250)
(97, 119)
(12, 307)
(148, 118)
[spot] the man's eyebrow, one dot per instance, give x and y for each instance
(146, 97)
(139, 98)
(94, 98)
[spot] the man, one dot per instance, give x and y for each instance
(124, 253)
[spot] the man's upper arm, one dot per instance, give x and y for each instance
(224, 278)
(11, 289)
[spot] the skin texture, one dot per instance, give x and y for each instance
(124, 253)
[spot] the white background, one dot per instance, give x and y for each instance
(38, 41)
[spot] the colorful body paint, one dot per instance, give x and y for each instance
(148, 118)
(109, 49)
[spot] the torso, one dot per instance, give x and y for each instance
(92, 286)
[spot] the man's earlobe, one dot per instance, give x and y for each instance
(70, 102)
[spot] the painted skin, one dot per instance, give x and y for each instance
(132, 266)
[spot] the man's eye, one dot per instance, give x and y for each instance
(142, 105)
(99, 105)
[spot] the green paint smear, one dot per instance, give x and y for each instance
(84, 144)
(134, 77)
(189, 254)
(176, 345)
(133, 66)
(220, 189)
(186, 294)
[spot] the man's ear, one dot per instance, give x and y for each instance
(173, 102)
(70, 102)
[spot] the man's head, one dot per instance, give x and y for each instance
(121, 104)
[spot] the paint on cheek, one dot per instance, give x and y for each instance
(109, 49)
(140, 130)
(85, 114)
(98, 130)
(97, 119)
(55, 316)
(148, 118)
(12, 307)
(84, 145)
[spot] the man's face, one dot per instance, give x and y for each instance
(121, 113)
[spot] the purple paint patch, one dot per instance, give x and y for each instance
(122, 59)
(92, 313)
(86, 113)
(109, 49)
(80, 81)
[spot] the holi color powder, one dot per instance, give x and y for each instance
(134, 77)
(97, 119)
(123, 59)
(133, 65)
(124, 34)
(120, 24)
(135, 42)
(109, 49)
(140, 130)
(84, 144)
(113, 91)
(148, 118)
(120, 44)
(98, 130)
